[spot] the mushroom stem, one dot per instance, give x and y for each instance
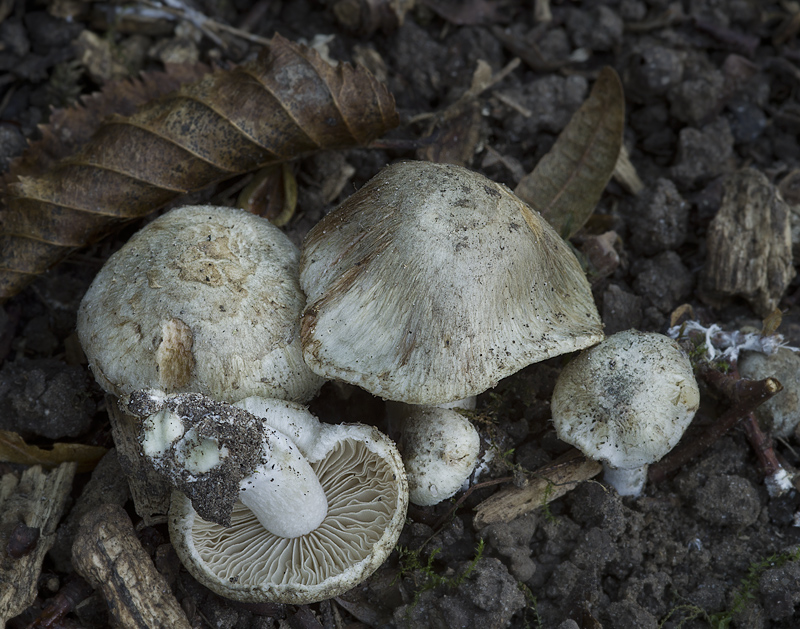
(467, 403)
(216, 453)
(626, 482)
(284, 493)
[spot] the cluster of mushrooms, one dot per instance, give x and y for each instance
(425, 288)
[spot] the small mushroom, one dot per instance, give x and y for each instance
(203, 299)
(440, 450)
(432, 282)
(626, 402)
(261, 516)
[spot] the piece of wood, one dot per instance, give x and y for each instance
(749, 244)
(108, 555)
(545, 485)
(150, 491)
(36, 501)
(625, 173)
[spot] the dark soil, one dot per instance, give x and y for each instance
(711, 86)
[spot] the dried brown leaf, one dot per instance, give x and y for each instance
(567, 182)
(287, 103)
(13, 449)
(72, 127)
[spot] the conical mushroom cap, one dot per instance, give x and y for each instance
(432, 283)
(204, 299)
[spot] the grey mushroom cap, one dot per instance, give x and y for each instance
(204, 299)
(363, 479)
(432, 282)
(627, 401)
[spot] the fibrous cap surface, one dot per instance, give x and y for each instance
(432, 283)
(627, 401)
(203, 299)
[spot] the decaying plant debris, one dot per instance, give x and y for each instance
(709, 148)
(287, 103)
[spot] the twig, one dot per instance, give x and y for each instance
(489, 483)
(777, 479)
(209, 26)
(739, 41)
(107, 553)
(746, 396)
(741, 390)
(75, 590)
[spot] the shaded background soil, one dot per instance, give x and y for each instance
(711, 86)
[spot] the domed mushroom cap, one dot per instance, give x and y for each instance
(365, 486)
(204, 299)
(627, 401)
(440, 450)
(432, 283)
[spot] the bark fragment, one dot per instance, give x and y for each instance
(548, 483)
(108, 555)
(35, 500)
(749, 244)
(150, 492)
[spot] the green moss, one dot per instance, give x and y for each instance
(424, 574)
(530, 617)
(744, 596)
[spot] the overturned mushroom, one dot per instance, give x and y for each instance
(626, 402)
(308, 513)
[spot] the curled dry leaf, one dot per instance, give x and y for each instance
(567, 182)
(70, 128)
(287, 103)
(13, 449)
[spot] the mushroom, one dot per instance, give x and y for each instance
(204, 299)
(431, 283)
(440, 450)
(626, 403)
(266, 515)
